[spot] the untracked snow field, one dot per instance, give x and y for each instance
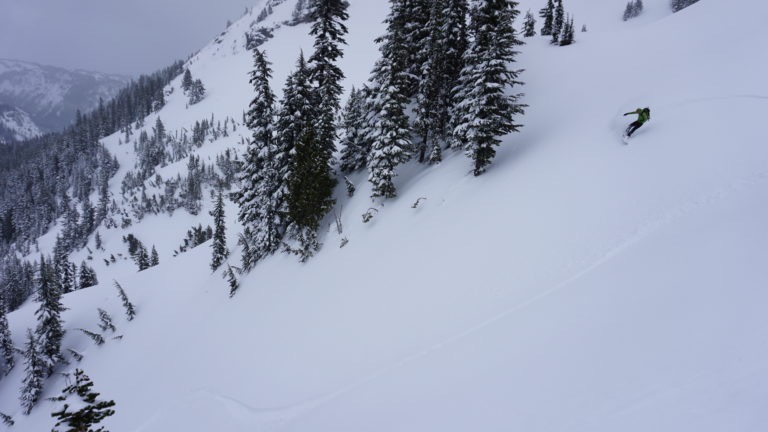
(581, 284)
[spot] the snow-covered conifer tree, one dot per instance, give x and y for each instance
(231, 280)
(142, 259)
(259, 175)
(548, 14)
(310, 193)
(354, 148)
(91, 411)
(105, 321)
(50, 330)
(87, 276)
(486, 108)
(391, 146)
(219, 244)
(196, 92)
(186, 81)
(558, 22)
(154, 258)
(529, 27)
(678, 5)
(329, 30)
(34, 374)
(130, 310)
(295, 116)
(6, 343)
(445, 46)
(568, 34)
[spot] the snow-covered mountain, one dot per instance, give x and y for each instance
(50, 95)
(15, 125)
(581, 284)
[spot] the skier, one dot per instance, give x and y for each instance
(643, 115)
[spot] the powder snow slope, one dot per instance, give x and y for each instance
(579, 285)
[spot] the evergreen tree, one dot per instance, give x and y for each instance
(154, 258)
(98, 241)
(219, 244)
(259, 174)
(418, 39)
(296, 115)
(310, 193)
(142, 259)
(50, 331)
(568, 34)
(186, 81)
(6, 343)
(390, 131)
(548, 14)
(391, 145)
(444, 48)
(234, 285)
(64, 275)
(87, 276)
(629, 11)
(328, 28)
(485, 108)
(91, 412)
(678, 5)
(130, 310)
(7, 420)
(558, 22)
(95, 337)
(529, 27)
(354, 148)
(105, 321)
(34, 374)
(196, 92)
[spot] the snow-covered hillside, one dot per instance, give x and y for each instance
(581, 284)
(15, 125)
(50, 95)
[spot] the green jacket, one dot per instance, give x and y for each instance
(643, 116)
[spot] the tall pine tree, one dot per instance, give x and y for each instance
(354, 146)
(444, 47)
(34, 374)
(558, 22)
(329, 30)
(548, 14)
(6, 343)
(485, 108)
(529, 27)
(311, 190)
(50, 330)
(258, 173)
(219, 244)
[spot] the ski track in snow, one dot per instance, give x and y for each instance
(275, 418)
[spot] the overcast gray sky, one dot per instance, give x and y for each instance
(127, 37)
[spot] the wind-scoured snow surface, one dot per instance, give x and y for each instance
(579, 285)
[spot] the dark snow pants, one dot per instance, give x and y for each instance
(633, 127)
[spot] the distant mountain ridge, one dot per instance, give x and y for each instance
(16, 125)
(50, 95)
